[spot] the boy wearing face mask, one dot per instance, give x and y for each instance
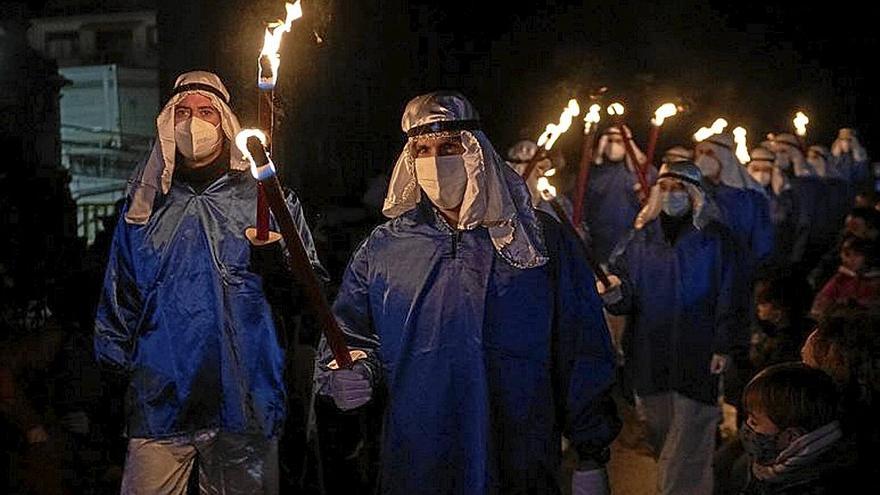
(479, 319)
(675, 277)
(184, 315)
(793, 434)
(611, 201)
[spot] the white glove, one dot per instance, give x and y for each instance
(610, 295)
(593, 482)
(719, 364)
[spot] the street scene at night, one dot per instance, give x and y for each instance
(439, 247)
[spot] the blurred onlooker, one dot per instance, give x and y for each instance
(846, 345)
(857, 281)
(863, 223)
(782, 327)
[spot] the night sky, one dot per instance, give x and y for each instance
(754, 63)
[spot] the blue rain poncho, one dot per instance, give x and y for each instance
(489, 338)
(183, 314)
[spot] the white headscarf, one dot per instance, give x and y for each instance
(688, 174)
(733, 174)
(678, 154)
(154, 176)
(495, 197)
(778, 181)
(788, 142)
(824, 167)
(603, 143)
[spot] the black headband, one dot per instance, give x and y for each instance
(200, 87)
(683, 178)
(444, 126)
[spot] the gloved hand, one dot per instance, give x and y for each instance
(592, 482)
(350, 388)
(610, 295)
(719, 364)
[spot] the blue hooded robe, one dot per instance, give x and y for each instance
(683, 306)
(184, 316)
(485, 364)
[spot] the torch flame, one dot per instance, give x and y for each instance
(553, 131)
(548, 192)
(241, 139)
(616, 109)
(271, 43)
(800, 123)
(592, 117)
(742, 148)
(705, 132)
(664, 112)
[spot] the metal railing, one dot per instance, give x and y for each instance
(90, 219)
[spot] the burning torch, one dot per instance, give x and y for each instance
(705, 133)
(660, 115)
(800, 124)
(742, 147)
(548, 194)
(269, 63)
(551, 134)
(616, 111)
(253, 145)
(591, 121)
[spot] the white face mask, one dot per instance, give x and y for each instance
(443, 179)
(709, 166)
(762, 177)
(197, 139)
(676, 203)
(615, 152)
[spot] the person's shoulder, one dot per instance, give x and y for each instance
(401, 226)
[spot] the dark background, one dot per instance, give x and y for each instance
(754, 63)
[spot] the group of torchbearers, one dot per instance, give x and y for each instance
(481, 309)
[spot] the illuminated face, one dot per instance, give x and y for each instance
(198, 105)
(433, 146)
(759, 422)
(670, 185)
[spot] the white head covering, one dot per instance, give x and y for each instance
(521, 153)
(778, 181)
(790, 142)
(858, 151)
(678, 154)
(603, 145)
(495, 196)
(733, 174)
(823, 168)
(154, 176)
(688, 174)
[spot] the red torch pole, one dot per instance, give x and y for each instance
(652, 146)
(587, 149)
(640, 171)
(266, 117)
